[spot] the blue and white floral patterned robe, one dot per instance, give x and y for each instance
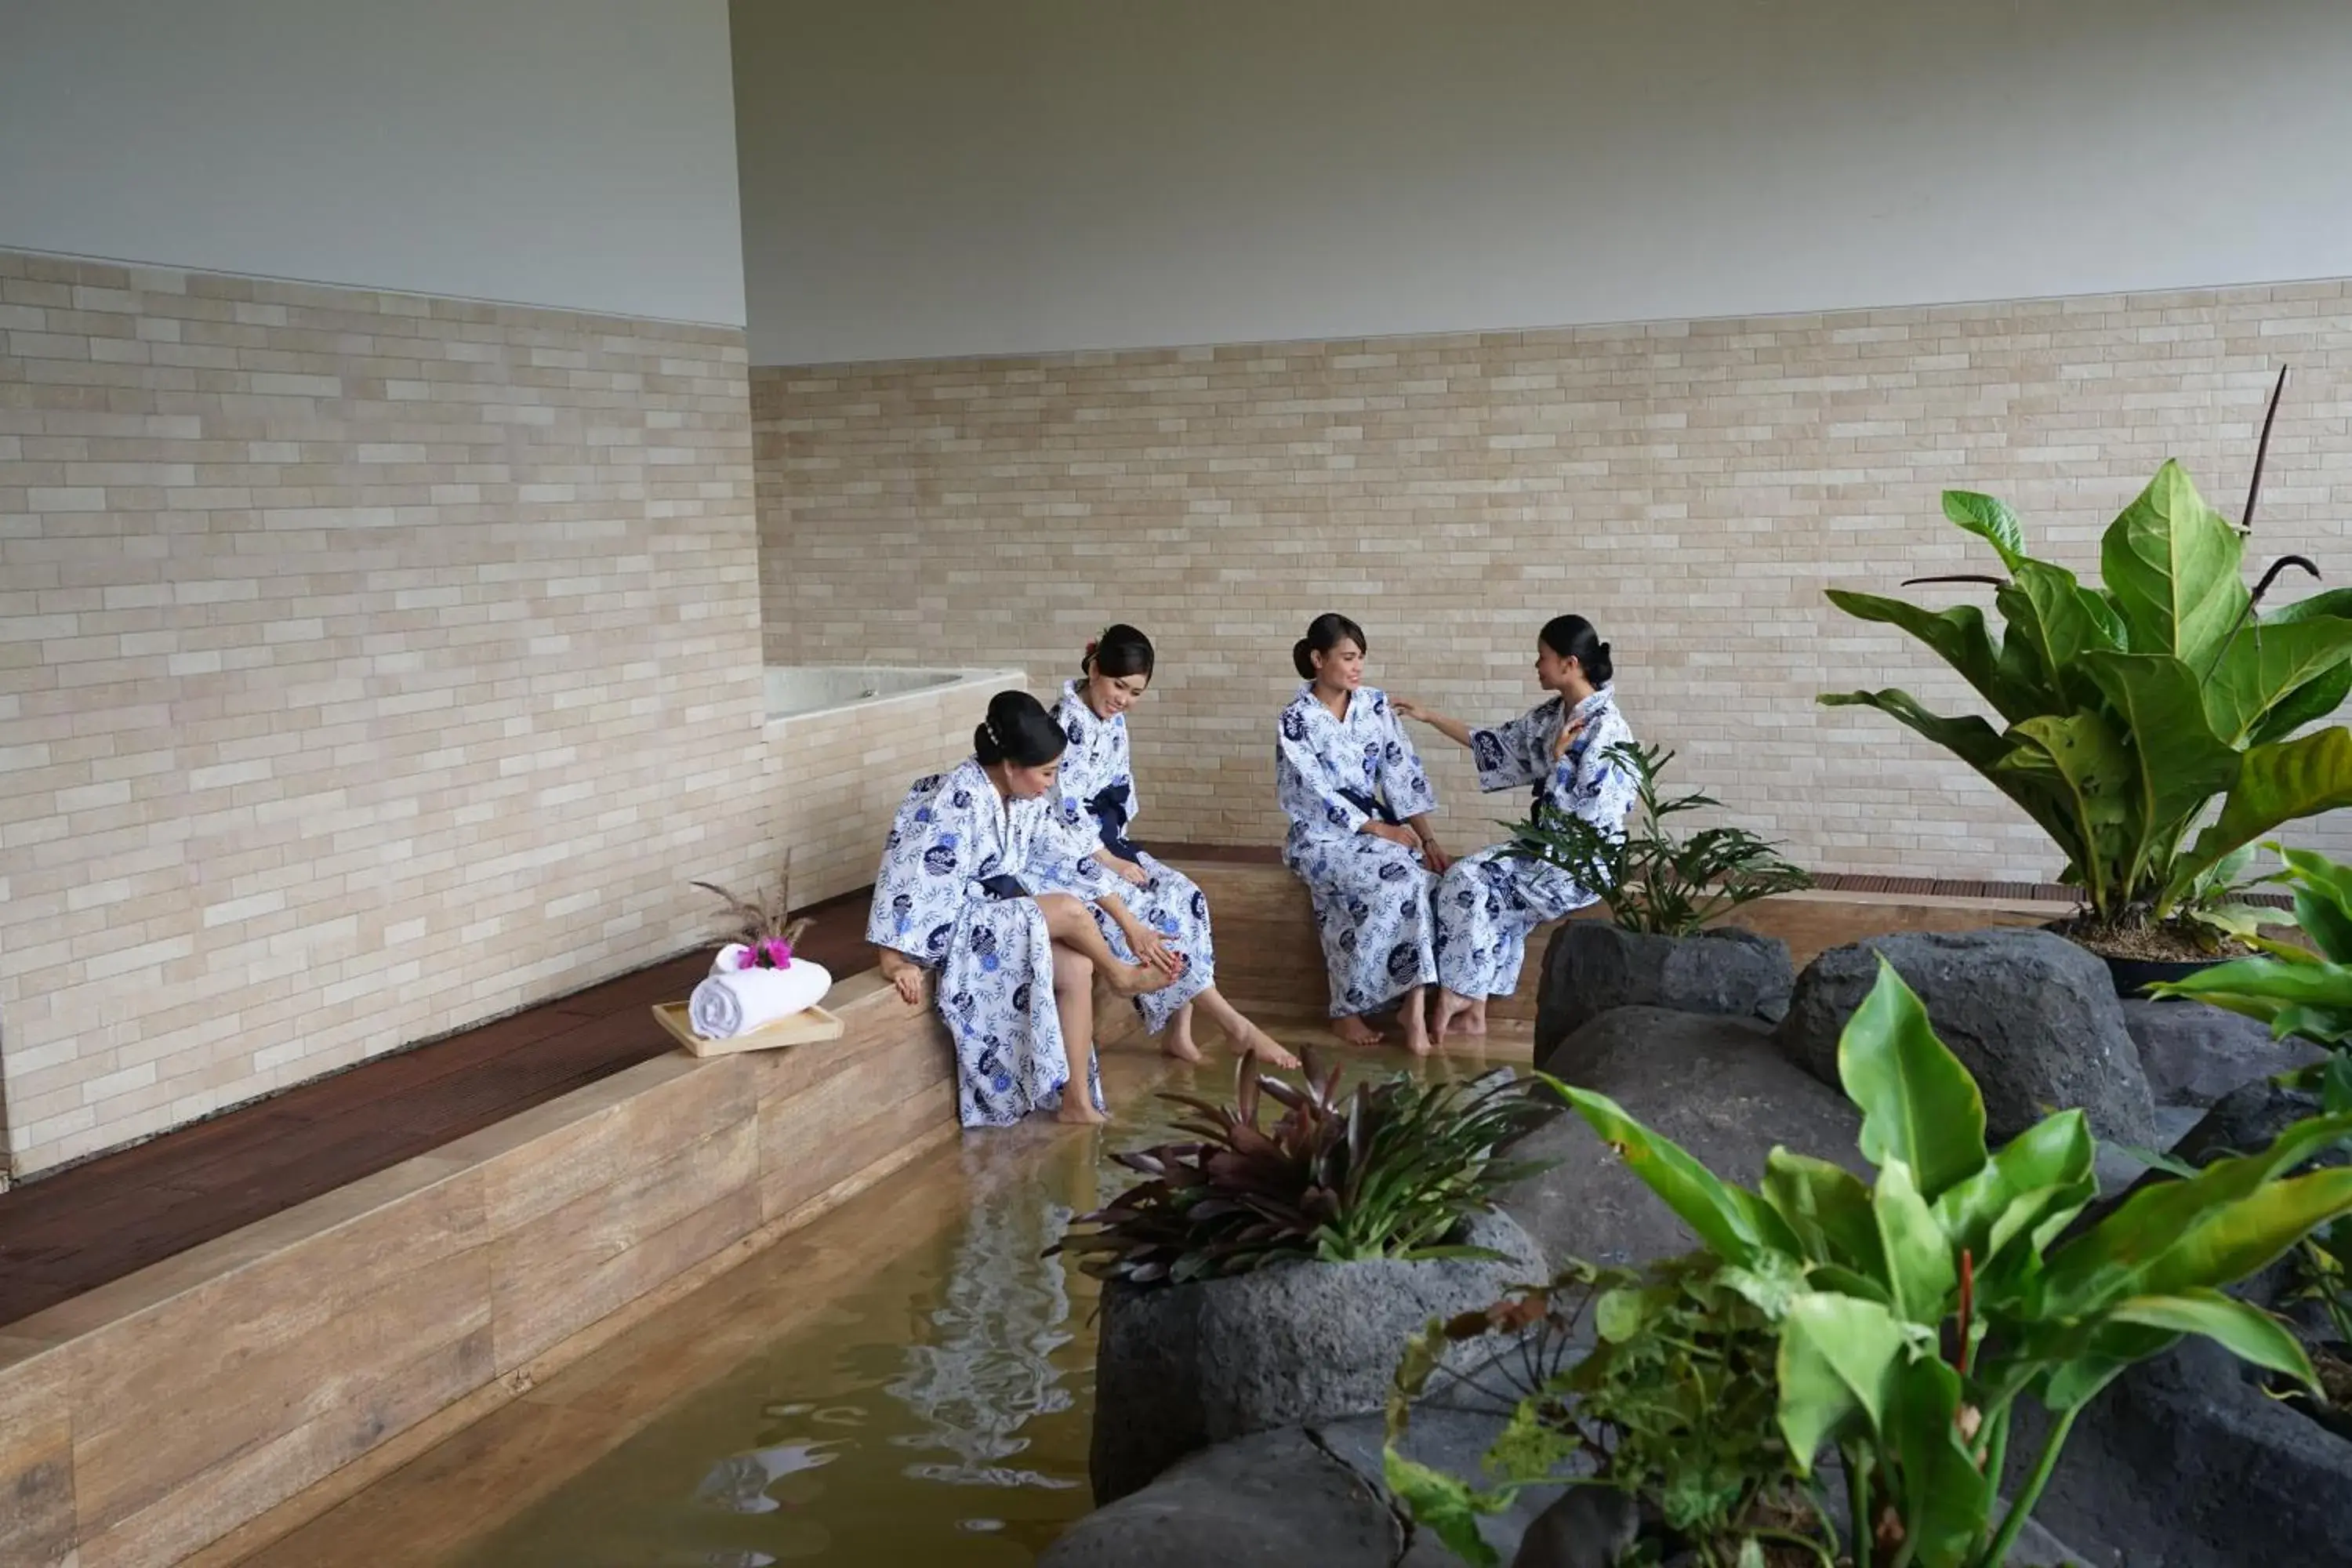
(1099, 803)
(1490, 902)
(991, 958)
(1370, 896)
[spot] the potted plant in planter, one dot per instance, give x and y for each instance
(1914, 1316)
(1660, 947)
(1262, 1276)
(2128, 708)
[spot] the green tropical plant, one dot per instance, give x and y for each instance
(1915, 1313)
(1651, 881)
(2324, 1277)
(2127, 708)
(2296, 990)
(1674, 1403)
(1391, 1169)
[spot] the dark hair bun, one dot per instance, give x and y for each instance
(1303, 658)
(1324, 633)
(1018, 731)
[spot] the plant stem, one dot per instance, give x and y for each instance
(2022, 1509)
(1857, 1501)
(1802, 1542)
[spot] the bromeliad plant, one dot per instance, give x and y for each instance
(1915, 1313)
(1676, 1404)
(2126, 709)
(1391, 1169)
(1651, 881)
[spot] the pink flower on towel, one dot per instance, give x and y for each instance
(777, 952)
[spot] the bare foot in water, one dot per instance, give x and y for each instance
(1078, 1108)
(1416, 1028)
(1178, 1041)
(1136, 979)
(1452, 1006)
(1354, 1031)
(1270, 1051)
(1476, 1023)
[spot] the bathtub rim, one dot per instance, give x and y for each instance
(1002, 677)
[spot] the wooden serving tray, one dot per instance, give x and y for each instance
(799, 1029)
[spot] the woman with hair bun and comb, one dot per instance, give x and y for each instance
(976, 887)
(1359, 837)
(1490, 902)
(1100, 802)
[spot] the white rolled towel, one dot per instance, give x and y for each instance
(738, 1001)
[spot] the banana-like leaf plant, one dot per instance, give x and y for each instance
(1914, 1313)
(2125, 709)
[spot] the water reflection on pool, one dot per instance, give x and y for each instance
(936, 1412)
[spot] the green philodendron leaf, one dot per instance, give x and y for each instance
(2243, 1329)
(2327, 601)
(2118, 1257)
(2107, 1350)
(1958, 636)
(1838, 1360)
(1920, 1272)
(2178, 763)
(2262, 664)
(2039, 1180)
(2172, 563)
(2280, 783)
(1990, 520)
(1980, 746)
(1918, 1104)
(1441, 1504)
(2260, 986)
(2097, 773)
(2230, 1241)
(2049, 613)
(1617, 1315)
(1946, 1498)
(2307, 704)
(1732, 1221)
(1827, 1207)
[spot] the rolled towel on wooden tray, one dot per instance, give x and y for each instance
(738, 1001)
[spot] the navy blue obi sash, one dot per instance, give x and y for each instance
(1110, 809)
(1372, 806)
(1002, 886)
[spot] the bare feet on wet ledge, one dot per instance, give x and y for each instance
(1416, 1030)
(1178, 1042)
(1455, 1011)
(1271, 1052)
(1354, 1031)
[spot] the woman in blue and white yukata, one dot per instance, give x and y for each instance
(1099, 803)
(984, 886)
(1359, 837)
(1490, 902)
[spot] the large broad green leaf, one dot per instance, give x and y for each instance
(2098, 774)
(2246, 1331)
(1990, 520)
(1983, 748)
(2307, 704)
(2032, 1187)
(1946, 1498)
(1918, 1104)
(2113, 1258)
(2105, 1349)
(2264, 664)
(2262, 988)
(1733, 1223)
(2283, 782)
(1920, 1273)
(2180, 764)
(1959, 637)
(1445, 1505)
(2232, 1240)
(1839, 1357)
(2173, 564)
(1827, 1208)
(2053, 619)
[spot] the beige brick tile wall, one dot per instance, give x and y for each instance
(1691, 485)
(369, 665)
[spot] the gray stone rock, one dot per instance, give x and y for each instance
(1271, 1500)
(1591, 967)
(1183, 1367)
(1587, 1528)
(2032, 1016)
(2184, 1462)
(1714, 1085)
(2193, 1054)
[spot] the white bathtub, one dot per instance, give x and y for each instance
(795, 689)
